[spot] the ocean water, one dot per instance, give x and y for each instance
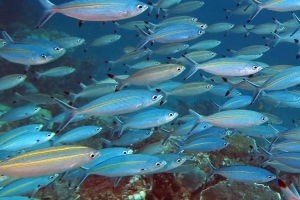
(19, 18)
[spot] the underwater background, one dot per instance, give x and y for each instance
(19, 19)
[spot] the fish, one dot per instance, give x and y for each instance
(147, 119)
(103, 40)
(230, 119)
(197, 56)
(150, 75)
(116, 103)
(129, 138)
(36, 98)
(26, 186)
(129, 165)
(206, 144)
(224, 67)
(219, 27)
(204, 45)
(129, 57)
(142, 65)
(282, 80)
(187, 89)
(47, 161)
(93, 10)
(26, 140)
(77, 134)
(69, 42)
(10, 81)
(243, 173)
(19, 113)
(235, 103)
(170, 34)
(92, 91)
(171, 21)
(54, 72)
(274, 5)
(184, 8)
(161, 4)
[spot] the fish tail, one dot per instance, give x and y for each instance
(247, 31)
(94, 81)
(82, 178)
(47, 123)
(145, 38)
(289, 192)
(198, 119)
(72, 96)
(150, 25)
(266, 156)
(118, 26)
(37, 75)
(119, 127)
(165, 96)
(6, 37)
(298, 24)
(277, 38)
(112, 64)
(48, 6)
(70, 113)
(150, 53)
(258, 90)
(121, 82)
(167, 12)
(106, 142)
(176, 143)
(217, 105)
(166, 133)
(257, 8)
(193, 69)
(232, 85)
(173, 60)
(212, 170)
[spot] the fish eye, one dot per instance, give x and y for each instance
(225, 143)
(79, 40)
(157, 63)
(154, 97)
(179, 69)
(263, 118)
(158, 164)
(4, 43)
(140, 6)
(178, 160)
(57, 49)
(194, 19)
(92, 155)
(38, 185)
(170, 114)
(184, 45)
(200, 32)
(19, 77)
(51, 177)
(208, 86)
(48, 135)
(35, 109)
(37, 140)
(148, 133)
(124, 152)
(255, 67)
(143, 169)
(43, 56)
(97, 129)
(37, 128)
(270, 177)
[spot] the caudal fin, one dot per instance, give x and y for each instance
(145, 38)
(70, 113)
(47, 13)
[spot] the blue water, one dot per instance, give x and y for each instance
(22, 16)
